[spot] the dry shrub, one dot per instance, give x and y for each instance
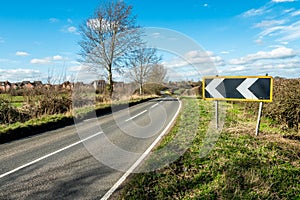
(43, 101)
(9, 114)
(153, 88)
(285, 108)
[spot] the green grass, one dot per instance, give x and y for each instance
(240, 166)
(12, 98)
(16, 101)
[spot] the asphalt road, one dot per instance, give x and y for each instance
(83, 161)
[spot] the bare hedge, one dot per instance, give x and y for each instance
(285, 108)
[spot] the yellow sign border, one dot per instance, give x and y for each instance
(236, 99)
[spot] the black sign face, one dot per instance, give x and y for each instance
(238, 88)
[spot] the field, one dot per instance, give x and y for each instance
(16, 101)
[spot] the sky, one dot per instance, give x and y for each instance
(39, 39)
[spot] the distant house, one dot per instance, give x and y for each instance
(67, 85)
(17, 85)
(37, 84)
(5, 86)
(27, 85)
(99, 85)
(47, 85)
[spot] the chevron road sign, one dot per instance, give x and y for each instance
(238, 88)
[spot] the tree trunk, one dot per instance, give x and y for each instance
(110, 83)
(141, 89)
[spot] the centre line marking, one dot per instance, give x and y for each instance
(135, 116)
(154, 105)
(48, 155)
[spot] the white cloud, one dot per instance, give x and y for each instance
(236, 69)
(280, 1)
(284, 33)
(196, 58)
(70, 21)
(288, 10)
(41, 61)
(278, 24)
(291, 32)
(22, 53)
(278, 53)
(271, 31)
(19, 74)
(283, 67)
(255, 12)
(296, 13)
(57, 57)
(1, 40)
(53, 20)
(78, 68)
(269, 23)
(225, 52)
(46, 60)
(72, 29)
(192, 65)
(156, 35)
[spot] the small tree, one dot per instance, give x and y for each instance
(142, 62)
(107, 37)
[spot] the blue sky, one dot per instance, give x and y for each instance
(242, 37)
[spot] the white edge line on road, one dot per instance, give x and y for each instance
(154, 105)
(136, 116)
(143, 156)
(48, 155)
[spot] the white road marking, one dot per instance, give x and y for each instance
(48, 155)
(136, 116)
(143, 156)
(154, 105)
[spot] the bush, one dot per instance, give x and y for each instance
(50, 102)
(9, 114)
(285, 108)
(286, 105)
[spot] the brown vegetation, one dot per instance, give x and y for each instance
(37, 103)
(285, 108)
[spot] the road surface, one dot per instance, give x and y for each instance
(83, 161)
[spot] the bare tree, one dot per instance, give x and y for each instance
(141, 62)
(158, 74)
(107, 37)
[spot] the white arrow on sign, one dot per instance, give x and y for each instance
(211, 88)
(243, 88)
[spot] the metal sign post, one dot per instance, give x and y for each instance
(258, 118)
(217, 114)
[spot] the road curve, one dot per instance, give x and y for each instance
(83, 161)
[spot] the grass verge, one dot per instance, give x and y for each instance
(241, 166)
